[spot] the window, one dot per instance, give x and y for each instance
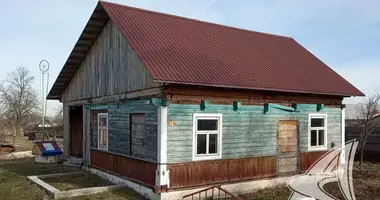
(317, 131)
(103, 131)
(207, 136)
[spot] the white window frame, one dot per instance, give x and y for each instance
(102, 147)
(318, 116)
(218, 155)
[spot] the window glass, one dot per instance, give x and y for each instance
(102, 121)
(313, 138)
(321, 135)
(213, 143)
(317, 122)
(207, 124)
(201, 144)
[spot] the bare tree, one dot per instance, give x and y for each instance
(57, 122)
(18, 98)
(58, 118)
(366, 112)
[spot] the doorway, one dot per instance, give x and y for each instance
(287, 147)
(76, 131)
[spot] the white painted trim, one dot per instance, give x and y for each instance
(342, 154)
(317, 115)
(219, 116)
(162, 134)
(99, 146)
(162, 174)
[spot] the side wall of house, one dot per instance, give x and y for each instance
(249, 143)
(119, 134)
(129, 155)
(247, 132)
(110, 67)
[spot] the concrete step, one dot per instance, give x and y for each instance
(73, 162)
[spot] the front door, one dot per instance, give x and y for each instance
(76, 131)
(287, 147)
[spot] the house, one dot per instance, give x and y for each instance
(171, 103)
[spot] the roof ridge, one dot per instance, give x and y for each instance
(195, 20)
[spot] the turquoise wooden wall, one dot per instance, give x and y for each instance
(119, 131)
(247, 132)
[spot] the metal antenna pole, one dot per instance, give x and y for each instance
(44, 67)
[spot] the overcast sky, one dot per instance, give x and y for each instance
(343, 34)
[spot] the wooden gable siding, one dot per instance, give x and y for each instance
(110, 67)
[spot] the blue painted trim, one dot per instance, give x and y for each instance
(320, 107)
(281, 107)
(99, 107)
(295, 106)
(202, 105)
(268, 106)
(159, 102)
(235, 105)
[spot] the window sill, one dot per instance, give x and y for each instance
(207, 157)
(311, 149)
(104, 148)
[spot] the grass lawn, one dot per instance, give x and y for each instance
(14, 186)
(76, 181)
(366, 186)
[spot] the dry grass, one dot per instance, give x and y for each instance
(366, 186)
(14, 186)
(76, 181)
(23, 144)
(278, 193)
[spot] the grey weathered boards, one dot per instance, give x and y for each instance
(288, 150)
(247, 132)
(110, 67)
(119, 128)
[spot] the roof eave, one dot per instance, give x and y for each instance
(83, 45)
(262, 89)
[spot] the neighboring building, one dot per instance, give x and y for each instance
(173, 103)
(51, 131)
(372, 146)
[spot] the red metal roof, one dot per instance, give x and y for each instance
(180, 50)
(186, 51)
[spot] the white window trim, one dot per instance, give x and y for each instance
(317, 115)
(207, 116)
(102, 147)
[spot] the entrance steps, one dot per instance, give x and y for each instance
(73, 162)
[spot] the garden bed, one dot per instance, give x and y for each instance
(72, 181)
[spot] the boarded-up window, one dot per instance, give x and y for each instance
(137, 135)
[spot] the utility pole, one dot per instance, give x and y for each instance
(44, 68)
